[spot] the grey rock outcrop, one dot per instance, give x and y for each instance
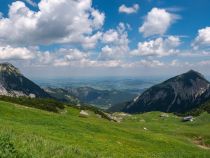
(13, 83)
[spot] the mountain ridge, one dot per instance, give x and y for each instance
(13, 83)
(177, 94)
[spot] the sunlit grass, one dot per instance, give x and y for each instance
(36, 133)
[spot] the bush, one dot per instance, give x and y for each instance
(39, 103)
(205, 107)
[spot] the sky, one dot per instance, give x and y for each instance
(69, 38)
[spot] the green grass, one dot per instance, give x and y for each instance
(27, 132)
(39, 103)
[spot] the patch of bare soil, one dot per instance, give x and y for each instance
(199, 141)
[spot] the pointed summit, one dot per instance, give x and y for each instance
(9, 68)
(13, 83)
(7, 65)
(178, 94)
(193, 73)
(187, 79)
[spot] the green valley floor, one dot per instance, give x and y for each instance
(27, 132)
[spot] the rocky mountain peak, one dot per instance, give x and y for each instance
(193, 74)
(189, 79)
(13, 83)
(177, 94)
(9, 68)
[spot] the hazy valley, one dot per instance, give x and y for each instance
(100, 92)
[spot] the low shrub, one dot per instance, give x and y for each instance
(39, 103)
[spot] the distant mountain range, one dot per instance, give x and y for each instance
(13, 83)
(129, 84)
(178, 94)
(88, 95)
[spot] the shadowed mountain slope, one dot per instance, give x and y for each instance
(13, 83)
(178, 94)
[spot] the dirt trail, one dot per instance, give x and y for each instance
(199, 141)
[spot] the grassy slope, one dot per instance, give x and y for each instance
(35, 133)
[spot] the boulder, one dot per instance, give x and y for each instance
(83, 114)
(145, 128)
(164, 115)
(187, 118)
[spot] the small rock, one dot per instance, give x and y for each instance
(78, 105)
(83, 114)
(32, 95)
(187, 118)
(164, 115)
(123, 114)
(145, 129)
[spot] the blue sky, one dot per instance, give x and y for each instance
(65, 38)
(194, 15)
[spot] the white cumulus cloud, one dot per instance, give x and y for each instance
(157, 22)
(202, 39)
(57, 21)
(17, 53)
(116, 41)
(110, 36)
(157, 47)
(129, 10)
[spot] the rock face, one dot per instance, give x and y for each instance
(13, 83)
(178, 94)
